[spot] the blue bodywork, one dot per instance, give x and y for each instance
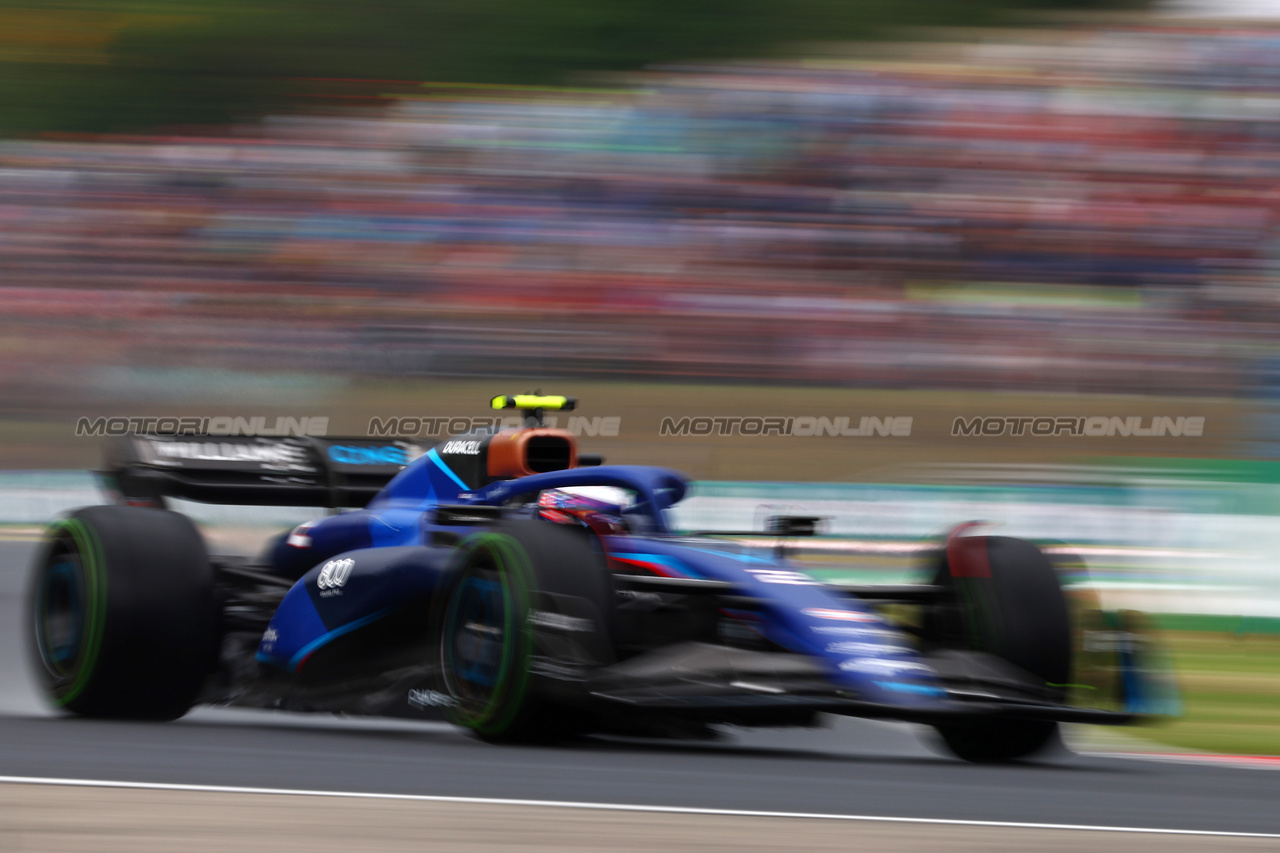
(859, 648)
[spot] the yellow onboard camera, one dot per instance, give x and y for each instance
(534, 401)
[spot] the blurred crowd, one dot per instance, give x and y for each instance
(1083, 209)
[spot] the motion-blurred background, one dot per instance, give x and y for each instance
(218, 187)
(916, 209)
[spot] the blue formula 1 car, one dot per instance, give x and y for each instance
(527, 592)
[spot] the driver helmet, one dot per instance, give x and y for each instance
(598, 507)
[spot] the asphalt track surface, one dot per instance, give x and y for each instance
(850, 768)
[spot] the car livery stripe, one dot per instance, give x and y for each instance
(443, 466)
(656, 563)
(300, 657)
(741, 558)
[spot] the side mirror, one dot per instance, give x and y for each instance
(792, 525)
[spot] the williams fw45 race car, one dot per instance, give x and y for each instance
(529, 593)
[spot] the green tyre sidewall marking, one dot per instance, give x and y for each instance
(512, 566)
(95, 581)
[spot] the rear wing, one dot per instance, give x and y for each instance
(252, 470)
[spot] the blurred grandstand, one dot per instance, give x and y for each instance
(1091, 209)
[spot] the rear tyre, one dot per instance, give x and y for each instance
(123, 615)
(988, 741)
(1008, 603)
(486, 640)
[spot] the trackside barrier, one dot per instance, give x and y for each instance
(1174, 547)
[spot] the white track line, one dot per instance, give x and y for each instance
(620, 807)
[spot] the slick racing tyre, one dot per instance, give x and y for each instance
(1007, 602)
(122, 612)
(504, 585)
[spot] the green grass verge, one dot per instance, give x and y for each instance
(1230, 682)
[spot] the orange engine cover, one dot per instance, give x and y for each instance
(521, 452)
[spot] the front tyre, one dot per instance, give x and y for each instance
(508, 590)
(122, 613)
(485, 640)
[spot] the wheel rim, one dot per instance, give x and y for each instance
(477, 642)
(60, 616)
